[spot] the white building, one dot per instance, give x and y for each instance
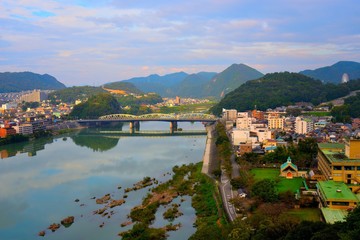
(303, 125)
(229, 114)
(24, 129)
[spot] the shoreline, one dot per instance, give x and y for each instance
(208, 156)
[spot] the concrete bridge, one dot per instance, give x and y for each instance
(134, 121)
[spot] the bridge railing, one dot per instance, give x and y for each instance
(160, 116)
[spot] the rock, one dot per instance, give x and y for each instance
(77, 200)
(124, 224)
(115, 203)
(53, 227)
(66, 222)
(100, 211)
(104, 199)
(41, 234)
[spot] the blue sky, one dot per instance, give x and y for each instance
(91, 42)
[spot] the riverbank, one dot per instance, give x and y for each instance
(209, 157)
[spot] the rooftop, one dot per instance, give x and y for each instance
(334, 146)
(335, 153)
(334, 215)
(337, 191)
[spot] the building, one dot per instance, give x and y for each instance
(229, 114)
(6, 131)
(303, 125)
(243, 120)
(290, 170)
(177, 100)
(336, 195)
(9, 106)
(35, 96)
(341, 162)
(258, 115)
(336, 200)
(276, 122)
(24, 129)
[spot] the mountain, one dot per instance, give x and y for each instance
(229, 79)
(163, 85)
(279, 89)
(22, 81)
(193, 84)
(334, 72)
(124, 86)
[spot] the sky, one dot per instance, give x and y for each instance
(92, 42)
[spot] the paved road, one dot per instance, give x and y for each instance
(227, 193)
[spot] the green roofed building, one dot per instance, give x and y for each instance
(341, 162)
(290, 170)
(336, 195)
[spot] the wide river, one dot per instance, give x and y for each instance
(44, 181)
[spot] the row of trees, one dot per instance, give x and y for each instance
(350, 109)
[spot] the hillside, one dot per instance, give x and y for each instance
(96, 106)
(22, 81)
(279, 89)
(229, 79)
(193, 84)
(125, 86)
(162, 85)
(334, 72)
(70, 95)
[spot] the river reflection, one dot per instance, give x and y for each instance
(40, 190)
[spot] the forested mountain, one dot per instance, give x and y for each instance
(22, 81)
(162, 85)
(124, 86)
(279, 89)
(229, 79)
(96, 106)
(193, 84)
(198, 85)
(70, 95)
(334, 72)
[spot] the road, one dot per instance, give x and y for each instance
(226, 194)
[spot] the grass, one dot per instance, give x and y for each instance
(282, 185)
(317, 114)
(306, 214)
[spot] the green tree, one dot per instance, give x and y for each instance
(265, 190)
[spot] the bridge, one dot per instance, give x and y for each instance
(134, 120)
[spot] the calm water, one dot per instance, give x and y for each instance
(39, 181)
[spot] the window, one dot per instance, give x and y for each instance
(340, 203)
(337, 167)
(349, 168)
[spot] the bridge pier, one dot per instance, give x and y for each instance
(173, 126)
(134, 126)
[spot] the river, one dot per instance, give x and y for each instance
(46, 180)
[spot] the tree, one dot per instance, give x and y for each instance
(265, 190)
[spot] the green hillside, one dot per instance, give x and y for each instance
(70, 95)
(96, 106)
(280, 89)
(22, 81)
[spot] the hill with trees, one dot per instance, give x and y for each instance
(96, 106)
(124, 86)
(70, 95)
(333, 73)
(23, 81)
(279, 89)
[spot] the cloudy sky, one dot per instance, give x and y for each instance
(91, 42)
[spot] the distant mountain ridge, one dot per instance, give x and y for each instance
(334, 73)
(198, 85)
(23, 81)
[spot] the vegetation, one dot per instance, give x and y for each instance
(70, 95)
(125, 86)
(137, 105)
(278, 89)
(199, 107)
(96, 106)
(224, 147)
(26, 105)
(350, 109)
(23, 81)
